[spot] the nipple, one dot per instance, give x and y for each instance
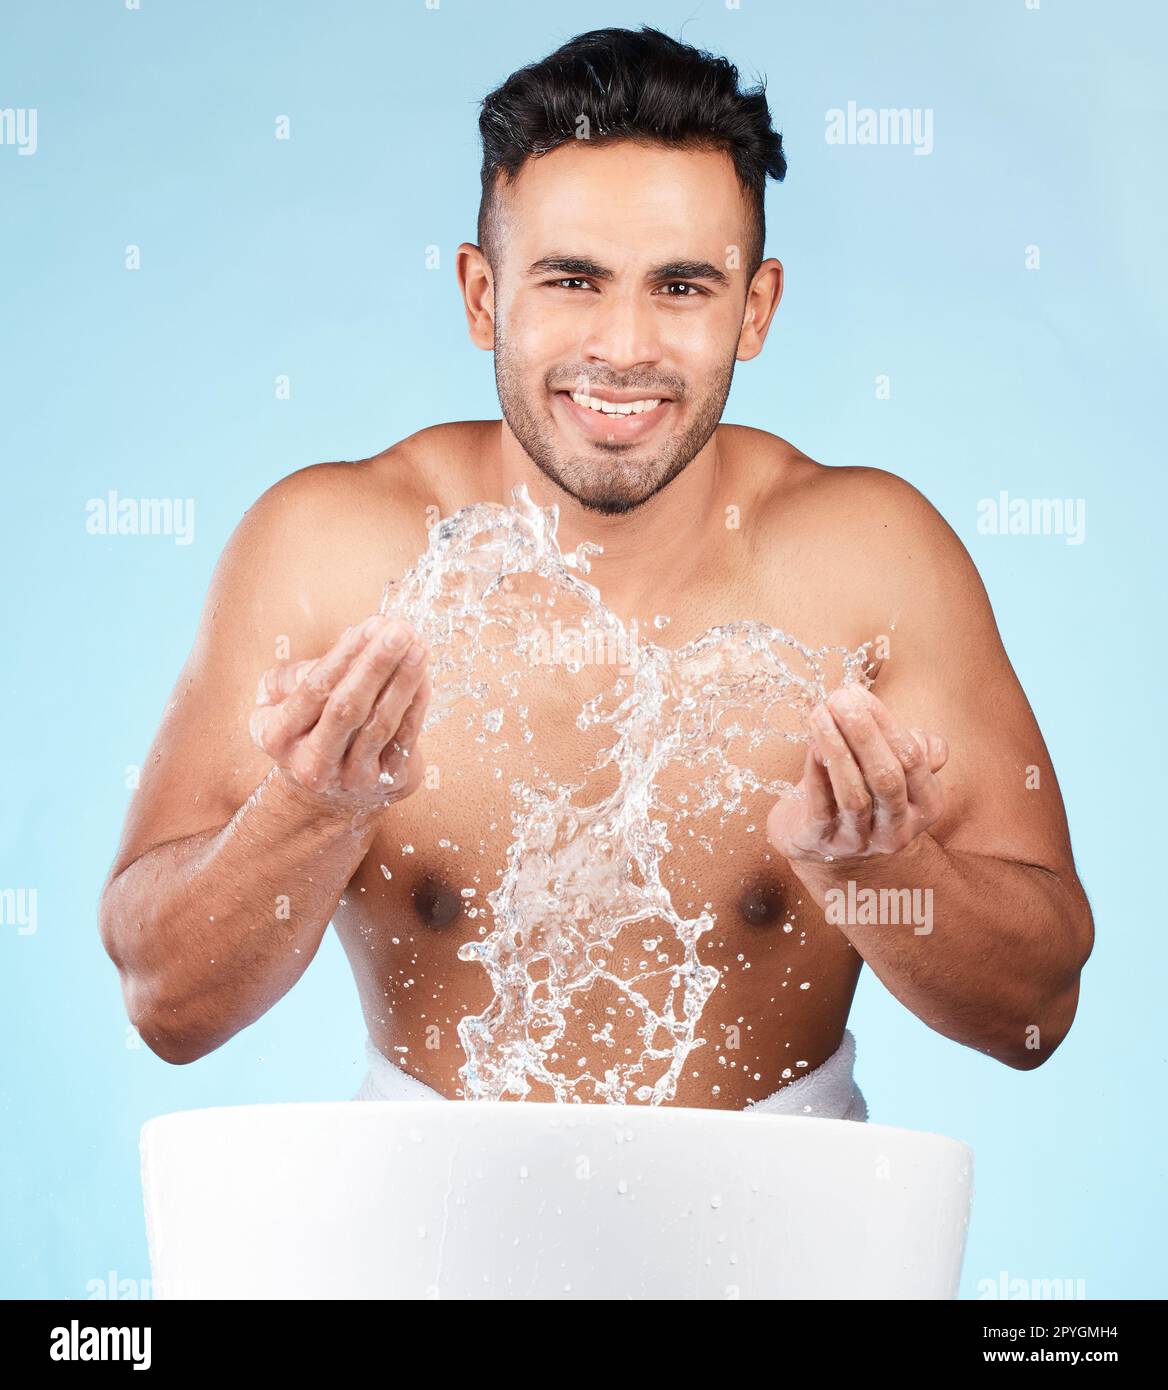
(761, 904)
(436, 903)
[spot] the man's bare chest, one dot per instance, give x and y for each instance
(566, 732)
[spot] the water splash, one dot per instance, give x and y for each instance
(583, 868)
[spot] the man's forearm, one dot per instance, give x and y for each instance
(210, 931)
(995, 965)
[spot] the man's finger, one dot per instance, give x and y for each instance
(936, 749)
(912, 755)
(349, 704)
(279, 682)
(397, 757)
(387, 713)
(303, 706)
(881, 769)
(852, 798)
(821, 807)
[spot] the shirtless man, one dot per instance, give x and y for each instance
(620, 260)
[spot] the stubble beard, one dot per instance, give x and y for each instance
(601, 479)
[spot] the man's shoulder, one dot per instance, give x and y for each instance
(319, 544)
(402, 473)
(850, 501)
(867, 527)
(394, 494)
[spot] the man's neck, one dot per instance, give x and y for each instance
(663, 539)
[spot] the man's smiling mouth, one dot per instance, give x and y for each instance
(637, 407)
(613, 416)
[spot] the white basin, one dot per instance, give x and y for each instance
(385, 1199)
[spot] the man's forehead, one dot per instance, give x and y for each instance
(645, 202)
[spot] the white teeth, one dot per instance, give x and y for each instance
(614, 407)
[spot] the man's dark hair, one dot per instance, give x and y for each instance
(636, 85)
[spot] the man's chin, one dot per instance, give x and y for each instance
(609, 505)
(606, 497)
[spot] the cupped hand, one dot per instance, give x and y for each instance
(344, 728)
(869, 785)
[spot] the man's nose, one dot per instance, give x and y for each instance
(622, 332)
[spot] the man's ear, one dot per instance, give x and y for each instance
(762, 299)
(478, 294)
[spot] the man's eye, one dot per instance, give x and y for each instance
(688, 291)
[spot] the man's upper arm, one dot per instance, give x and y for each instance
(268, 600)
(948, 672)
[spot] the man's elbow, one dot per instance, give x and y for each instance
(1036, 1042)
(158, 1025)
(166, 1029)
(178, 1051)
(163, 1035)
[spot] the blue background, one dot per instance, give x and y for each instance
(306, 257)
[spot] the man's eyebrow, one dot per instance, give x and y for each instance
(569, 265)
(671, 270)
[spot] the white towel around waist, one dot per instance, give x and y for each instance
(829, 1092)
